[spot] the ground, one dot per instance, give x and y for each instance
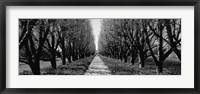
(78, 67)
(172, 66)
(101, 65)
(97, 67)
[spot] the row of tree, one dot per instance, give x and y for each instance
(141, 38)
(49, 38)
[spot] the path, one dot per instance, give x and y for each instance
(97, 67)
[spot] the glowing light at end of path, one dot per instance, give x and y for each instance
(96, 25)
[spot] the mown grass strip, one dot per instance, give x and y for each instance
(78, 67)
(117, 67)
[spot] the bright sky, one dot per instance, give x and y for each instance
(96, 25)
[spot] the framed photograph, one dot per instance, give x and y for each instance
(90, 46)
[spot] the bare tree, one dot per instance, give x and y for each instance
(52, 41)
(140, 42)
(157, 35)
(33, 45)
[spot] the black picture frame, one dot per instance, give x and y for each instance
(4, 3)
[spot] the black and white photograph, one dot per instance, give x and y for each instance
(99, 46)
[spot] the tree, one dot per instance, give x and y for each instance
(120, 36)
(143, 38)
(156, 38)
(76, 36)
(34, 33)
(52, 41)
(140, 42)
(174, 39)
(40, 38)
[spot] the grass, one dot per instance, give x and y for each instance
(171, 66)
(77, 67)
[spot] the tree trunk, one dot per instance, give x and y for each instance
(34, 64)
(160, 68)
(161, 54)
(53, 53)
(69, 58)
(76, 54)
(133, 57)
(63, 51)
(125, 59)
(35, 67)
(53, 60)
(141, 60)
(121, 57)
(133, 60)
(73, 54)
(63, 57)
(142, 63)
